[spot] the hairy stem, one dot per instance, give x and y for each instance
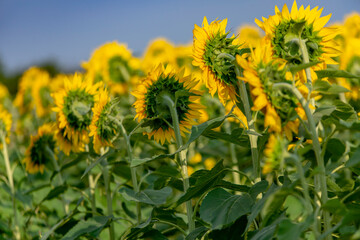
(11, 185)
(182, 156)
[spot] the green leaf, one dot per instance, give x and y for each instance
(196, 132)
(233, 186)
(220, 208)
(55, 192)
(323, 111)
(204, 183)
(354, 159)
(239, 138)
(149, 196)
(92, 165)
(334, 73)
(294, 68)
(325, 87)
(294, 207)
(336, 148)
(288, 230)
(344, 111)
(256, 209)
(268, 231)
(258, 188)
(91, 227)
(197, 233)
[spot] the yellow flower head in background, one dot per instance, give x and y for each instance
(274, 153)
(113, 64)
(40, 150)
(210, 40)
(279, 106)
(102, 127)
(195, 159)
(40, 92)
(352, 26)
(209, 163)
(31, 78)
(284, 28)
(249, 35)
(149, 104)
(73, 108)
(5, 124)
(4, 92)
(159, 51)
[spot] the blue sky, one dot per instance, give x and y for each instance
(67, 31)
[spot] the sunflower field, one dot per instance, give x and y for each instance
(253, 134)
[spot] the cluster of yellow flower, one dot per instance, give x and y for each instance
(86, 105)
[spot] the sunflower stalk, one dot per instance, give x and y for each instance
(245, 100)
(57, 169)
(168, 101)
(132, 169)
(316, 148)
(253, 138)
(105, 172)
(11, 185)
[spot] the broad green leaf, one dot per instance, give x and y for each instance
(196, 132)
(334, 206)
(258, 188)
(197, 233)
(267, 232)
(354, 159)
(241, 140)
(205, 182)
(232, 232)
(288, 230)
(55, 192)
(220, 208)
(91, 227)
(344, 111)
(325, 87)
(294, 68)
(149, 196)
(233, 186)
(334, 73)
(168, 216)
(294, 207)
(323, 111)
(336, 148)
(256, 209)
(92, 165)
(127, 211)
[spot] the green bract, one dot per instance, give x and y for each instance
(156, 109)
(285, 41)
(106, 127)
(223, 68)
(77, 108)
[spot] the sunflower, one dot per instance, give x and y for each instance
(4, 92)
(284, 27)
(65, 144)
(350, 61)
(73, 108)
(40, 150)
(249, 35)
(274, 153)
(113, 64)
(280, 107)
(24, 97)
(210, 40)
(148, 105)
(102, 127)
(352, 26)
(5, 124)
(159, 51)
(40, 92)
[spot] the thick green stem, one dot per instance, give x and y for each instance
(316, 147)
(57, 169)
(182, 157)
(105, 172)
(91, 186)
(132, 169)
(253, 138)
(11, 185)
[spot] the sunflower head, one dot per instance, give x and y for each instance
(102, 128)
(352, 26)
(159, 51)
(40, 150)
(249, 35)
(261, 72)
(286, 28)
(274, 153)
(73, 106)
(210, 41)
(5, 124)
(166, 81)
(113, 64)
